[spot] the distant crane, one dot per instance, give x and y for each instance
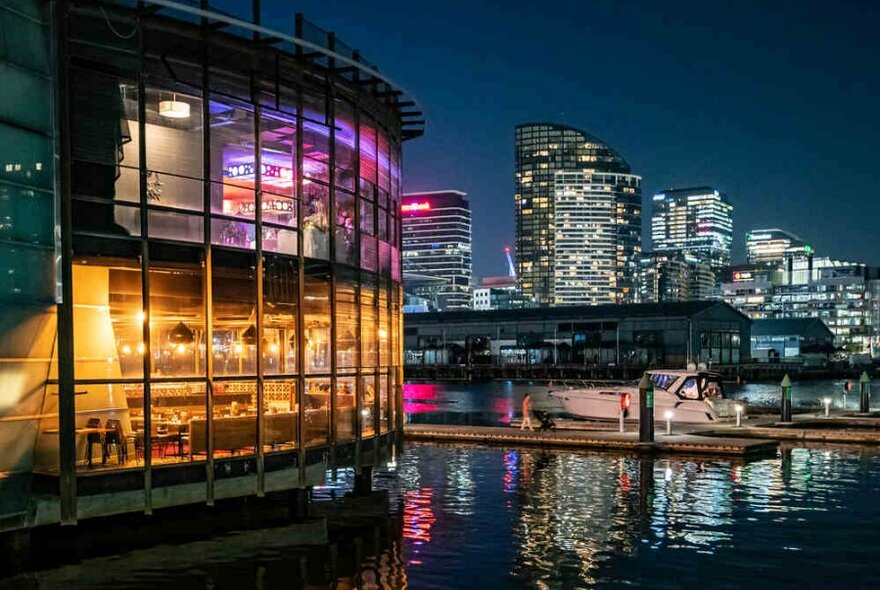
(511, 269)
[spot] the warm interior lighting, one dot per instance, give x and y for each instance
(126, 349)
(181, 334)
(273, 347)
(174, 109)
(141, 317)
(180, 348)
(238, 348)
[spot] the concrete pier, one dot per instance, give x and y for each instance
(600, 440)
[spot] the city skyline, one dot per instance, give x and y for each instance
(789, 88)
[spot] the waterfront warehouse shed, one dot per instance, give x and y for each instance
(637, 335)
(790, 337)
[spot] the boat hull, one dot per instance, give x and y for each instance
(605, 405)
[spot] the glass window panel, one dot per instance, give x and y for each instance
(278, 165)
(105, 436)
(174, 137)
(107, 319)
(368, 406)
(177, 311)
(384, 173)
(368, 151)
(346, 245)
(346, 319)
(180, 192)
(317, 320)
(279, 240)
(280, 295)
(233, 200)
(235, 234)
(345, 409)
(345, 135)
(235, 418)
(384, 328)
(176, 226)
(316, 241)
(382, 218)
(314, 107)
(316, 169)
(317, 412)
(280, 415)
(369, 253)
(383, 403)
(384, 259)
(368, 220)
(177, 421)
(395, 264)
(278, 209)
(369, 342)
(233, 322)
(232, 145)
(103, 123)
(395, 173)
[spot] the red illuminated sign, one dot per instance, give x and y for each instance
(411, 207)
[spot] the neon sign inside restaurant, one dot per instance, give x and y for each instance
(412, 207)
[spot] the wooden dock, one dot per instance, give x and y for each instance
(599, 440)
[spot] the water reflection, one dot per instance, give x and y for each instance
(473, 517)
(567, 520)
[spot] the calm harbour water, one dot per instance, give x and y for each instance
(485, 518)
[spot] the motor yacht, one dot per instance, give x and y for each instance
(692, 396)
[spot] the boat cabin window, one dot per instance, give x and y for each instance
(712, 388)
(662, 380)
(690, 389)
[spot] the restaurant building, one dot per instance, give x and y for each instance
(200, 257)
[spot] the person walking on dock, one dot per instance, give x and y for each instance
(526, 412)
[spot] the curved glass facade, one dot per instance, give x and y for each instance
(229, 253)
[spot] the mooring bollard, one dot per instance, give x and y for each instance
(786, 399)
(646, 410)
(827, 402)
(864, 393)
(739, 414)
(624, 408)
(668, 414)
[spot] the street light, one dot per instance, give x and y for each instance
(739, 414)
(668, 414)
(827, 402)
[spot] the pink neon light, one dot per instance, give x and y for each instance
(415, 207)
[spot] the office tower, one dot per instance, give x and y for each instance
(774, 246)
(671, 276)
(695, 221)
(578, 218)
(436, 229)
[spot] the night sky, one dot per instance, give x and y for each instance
(774, 103)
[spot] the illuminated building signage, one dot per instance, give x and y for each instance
(268, 171)
(742, 276)
(413, 207)
(759, 236)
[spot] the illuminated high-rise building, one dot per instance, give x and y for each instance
(774, 246)
(694, 221)
(436, 231)
(578, 218)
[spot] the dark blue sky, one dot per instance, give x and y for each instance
(775, 103)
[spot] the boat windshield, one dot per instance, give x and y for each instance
(690, 389)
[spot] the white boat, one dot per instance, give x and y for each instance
(692, 396)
